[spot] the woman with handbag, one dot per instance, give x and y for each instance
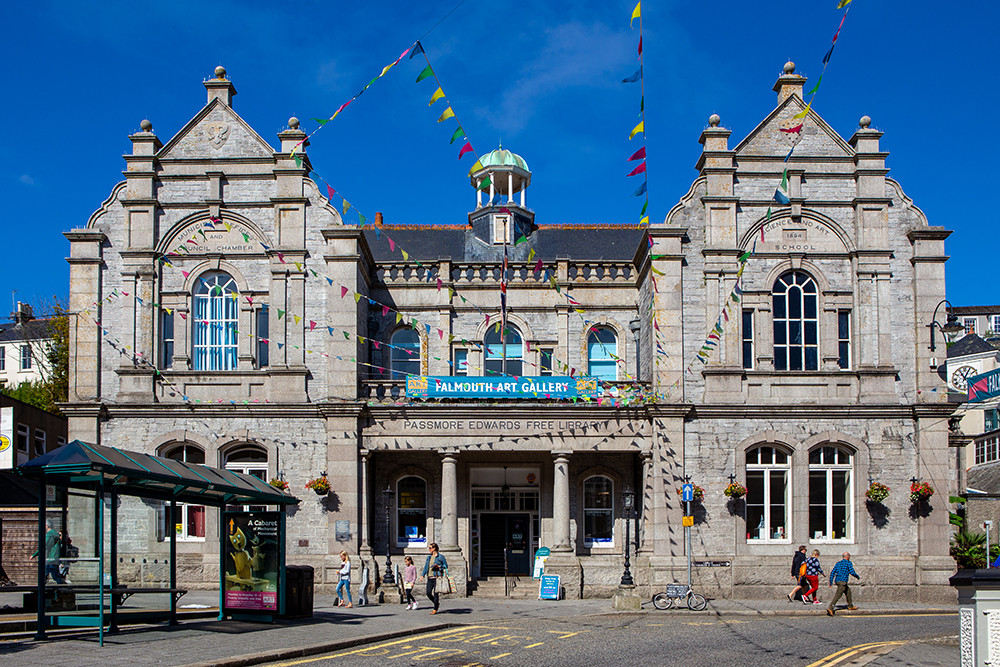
(409, 579)
(345, 581)
(436, 571)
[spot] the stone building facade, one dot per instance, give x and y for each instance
(242, 324)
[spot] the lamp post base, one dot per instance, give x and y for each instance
(626, 599)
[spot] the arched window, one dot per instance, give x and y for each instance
(767, 494)
(215, 322)
(249, 460)
(794, 301)
(830, 493)
(598, 511)
(189, 520)
(404, 355)
(602, 348)
(504, 352)
(411, 512)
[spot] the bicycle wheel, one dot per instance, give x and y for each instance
(661, 601)
(696, 602)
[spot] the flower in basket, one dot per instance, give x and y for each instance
(321, 485)
(878, 492)
(920, 491)
(699, 493)
(279, 484)
(735, 490)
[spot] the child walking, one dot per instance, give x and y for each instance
(409, 579)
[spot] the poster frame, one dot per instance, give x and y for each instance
(241, 613)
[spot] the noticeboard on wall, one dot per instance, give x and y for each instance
(253, 559)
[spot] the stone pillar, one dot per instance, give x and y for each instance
(448, 545)
(563, 560)
(645, 503)
(365, 548)
(560, 505)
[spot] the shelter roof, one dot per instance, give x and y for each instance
(83, 465)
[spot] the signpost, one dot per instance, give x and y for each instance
(539, 569)
(253, 560)
(687, 496)
(548, 589)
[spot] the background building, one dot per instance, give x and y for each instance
(24, 348)
(226, 315)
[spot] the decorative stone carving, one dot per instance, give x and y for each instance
(966, 642)
(217, 133)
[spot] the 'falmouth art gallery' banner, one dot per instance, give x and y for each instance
(431, 386)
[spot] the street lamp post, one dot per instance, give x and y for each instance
(388, 577)
(635, 326)
(628, 499)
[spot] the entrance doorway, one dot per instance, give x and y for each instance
(505, 535)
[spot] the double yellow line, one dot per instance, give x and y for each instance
(844, 654)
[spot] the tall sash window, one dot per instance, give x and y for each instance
(216, 311)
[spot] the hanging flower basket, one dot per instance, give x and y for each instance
(878, 492)
(699, 493)
(735, 490)
(920, 491)
(279, 484)
(321, 485)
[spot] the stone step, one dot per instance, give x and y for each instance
(523, 588)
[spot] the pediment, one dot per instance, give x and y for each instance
(817, 138)
(216, 132)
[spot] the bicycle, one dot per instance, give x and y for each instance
(675, 592)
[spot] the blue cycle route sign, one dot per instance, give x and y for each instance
(687, 493)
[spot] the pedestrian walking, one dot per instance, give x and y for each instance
(798, 559)
(409, 580)
(840, 575)
(813, 570)
(436, 567)
(345, 581)
(53, 552)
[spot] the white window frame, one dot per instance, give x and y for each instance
(25, 360)
(747, 347)
(515, 352)
(594, 349)
(786, 283)
(184, 509)
(987, 449)
(543, 369)
(40, 441)
(829, 469)
(768, 469)
(256, 469)
(587, 540)
(845, 340)
(460, 365)
(994, 326)
(501, 228)
(971, 325)
(23, 436)
(215, 322)
(399, 359)
(3, 358)
(167, 337)
(406, 541)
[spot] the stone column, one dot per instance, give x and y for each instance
(365, 548)
(449, 502)
(645, 503)
(560, 504)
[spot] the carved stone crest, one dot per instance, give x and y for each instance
(217, 133)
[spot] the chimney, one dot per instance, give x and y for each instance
(789, 83)
(378, 218)
(23, 314)
(221, 87)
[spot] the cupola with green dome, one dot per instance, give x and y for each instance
(500, 173)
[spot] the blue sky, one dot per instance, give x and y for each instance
(543, 78)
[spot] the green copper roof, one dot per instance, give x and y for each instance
(502, 157)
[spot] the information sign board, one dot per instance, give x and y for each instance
(252, 555)
(549, 587)
(688, 521)
(539, 569)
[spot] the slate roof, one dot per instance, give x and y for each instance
(550, 242)
(985, 478)
(975, 310)
(31, 330)
(969, 344)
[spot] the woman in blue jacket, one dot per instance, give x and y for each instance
(436, 566)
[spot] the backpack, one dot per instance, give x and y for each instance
(802, 570)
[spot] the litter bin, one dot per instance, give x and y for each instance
(299, 591)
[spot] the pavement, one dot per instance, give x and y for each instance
(205, 642)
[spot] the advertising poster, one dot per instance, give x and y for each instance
(6, 438)
(251, 553)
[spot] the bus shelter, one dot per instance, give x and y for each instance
(101, 475)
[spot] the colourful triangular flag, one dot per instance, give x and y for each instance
(426, 72)
(781, 194)
(438, 94)
(637, 129)
(446, 114)
(637, 13)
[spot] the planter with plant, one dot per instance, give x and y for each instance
(320, 485)
(877, 492)
(920, 492)
(699, 493)
(735, 490)
(279, 484)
